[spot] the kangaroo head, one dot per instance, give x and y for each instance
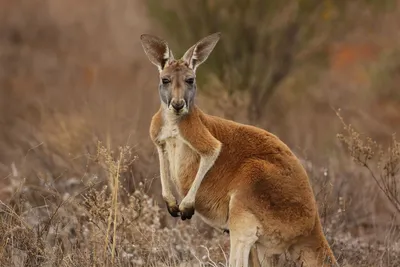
(177, 86)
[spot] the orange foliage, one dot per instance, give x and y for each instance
(347, 54)
(347, 60)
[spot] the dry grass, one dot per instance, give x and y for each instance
(383, 167)
(99, 225)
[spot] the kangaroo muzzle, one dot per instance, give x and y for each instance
(178, 105)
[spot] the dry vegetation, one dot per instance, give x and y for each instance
(79, 176)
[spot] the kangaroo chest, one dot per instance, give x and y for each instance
(182, 160)
(183, 164)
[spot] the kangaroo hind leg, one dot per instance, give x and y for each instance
(244, 229)
(241, 246)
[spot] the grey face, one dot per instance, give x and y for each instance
(177, 77)
(177, 87)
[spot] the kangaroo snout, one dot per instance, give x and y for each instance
(178, 105)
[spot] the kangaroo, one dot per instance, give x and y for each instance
(237, 177)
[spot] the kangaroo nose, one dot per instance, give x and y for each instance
(178, 105)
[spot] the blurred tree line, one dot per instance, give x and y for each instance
(262, 41)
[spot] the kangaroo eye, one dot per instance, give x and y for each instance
(190, 80)
(165, 80)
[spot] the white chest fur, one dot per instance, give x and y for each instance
(179, 154)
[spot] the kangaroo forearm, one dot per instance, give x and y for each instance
(206, 163)
(165, 175)
(203, 143)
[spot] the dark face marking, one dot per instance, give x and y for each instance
(165, 94)
(190, 93)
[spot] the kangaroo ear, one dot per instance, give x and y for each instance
(157, 50)
(199, 52)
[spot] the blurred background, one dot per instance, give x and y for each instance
(73, 73)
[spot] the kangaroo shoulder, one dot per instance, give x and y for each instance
(156, 126)
(196, 133)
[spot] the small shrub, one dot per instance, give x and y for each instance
(383, 165)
